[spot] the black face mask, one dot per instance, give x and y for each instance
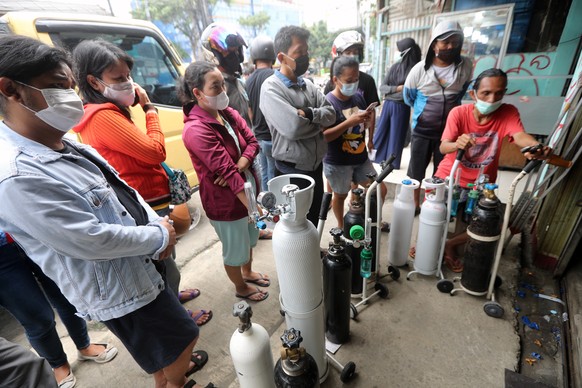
(301, 65)
(448, 56)
(231, 64)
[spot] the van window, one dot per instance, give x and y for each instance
(153, 69)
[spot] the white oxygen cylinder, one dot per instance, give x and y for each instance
(432, 220)
(402, 222)
(298, 263)
(250, 351)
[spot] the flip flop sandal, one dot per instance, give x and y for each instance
(188, 294)
(453, 264)
(192, 383)
(412, 252)
(248, 296)
(199, 358)
(199, 315)
(265, 234)
(261, 281)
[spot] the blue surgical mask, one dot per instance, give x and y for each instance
(349, 90)
(486, 108)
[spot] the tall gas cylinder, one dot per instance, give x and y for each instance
(296, 368)
(432, 220)
(484, 232)
(250, 350)
(298, 262)
(337, 285)
(355, 218)
(402, 222)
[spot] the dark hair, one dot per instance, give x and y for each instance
(93, 57)
(342, 62)
(284, 37)
(23, 58)
(489, 73)
(193, 78)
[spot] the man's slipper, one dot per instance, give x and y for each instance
(199, 358)
(412, 252)
(385, 227)
(264, 294)
(265, 234)
(192, 384)
(199, 315)
(453, 264)
(261, 281)
(188, 294)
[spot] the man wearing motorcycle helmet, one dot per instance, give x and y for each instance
(263, 56)
(224, 46)
(351, 44)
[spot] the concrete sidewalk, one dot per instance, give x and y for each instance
(418, 337)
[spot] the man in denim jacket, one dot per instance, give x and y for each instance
(93, 235)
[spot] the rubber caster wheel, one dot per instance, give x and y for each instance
(445, 286)
(498, 282)
(353, 311)
(493, 309)
(383, 290)
(348, 372)
(394, 272)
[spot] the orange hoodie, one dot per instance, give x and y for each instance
(134, 154)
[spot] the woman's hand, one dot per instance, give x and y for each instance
(220, 181)
(243, 164)
(141, 93)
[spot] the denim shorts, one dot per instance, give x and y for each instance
(237, 238)
(341, 177)
(156, 334)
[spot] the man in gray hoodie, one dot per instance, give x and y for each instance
(296, 113)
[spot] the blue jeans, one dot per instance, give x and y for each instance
(22, 296)
(267, 163)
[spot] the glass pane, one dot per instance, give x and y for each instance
(152, 68)
(485, 30)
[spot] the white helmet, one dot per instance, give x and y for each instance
(346, 40)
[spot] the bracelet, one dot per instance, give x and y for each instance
(149, 106)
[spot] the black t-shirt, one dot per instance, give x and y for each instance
(368, 86)
(253, 86)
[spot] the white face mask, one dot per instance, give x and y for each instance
(65, 108)
(219, 102)
(122, 93)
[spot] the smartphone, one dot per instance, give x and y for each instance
(371, 106)
(136, 99)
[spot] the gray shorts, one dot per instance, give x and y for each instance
(237, 238)
(340, 177)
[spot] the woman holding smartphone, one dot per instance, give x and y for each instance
(103, 73)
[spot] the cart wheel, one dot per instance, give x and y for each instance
(445, 286)
(493, 309)
(383, 290)
(353, 311)
(348, 372)
(394, 272)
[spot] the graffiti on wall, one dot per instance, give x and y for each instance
(526, 65)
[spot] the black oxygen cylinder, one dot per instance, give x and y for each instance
(337, 285)
(355, 216)
(296, 368)
(483, 232)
